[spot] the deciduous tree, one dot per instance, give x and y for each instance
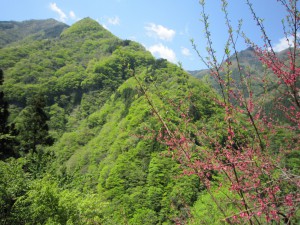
(237, 153)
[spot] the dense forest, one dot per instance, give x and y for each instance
(78, 129)
(81, 136)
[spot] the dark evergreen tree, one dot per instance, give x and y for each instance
(33, 126)
(6, 139)
(3, 109)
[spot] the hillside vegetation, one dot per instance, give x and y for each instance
(98, 159)
(12, 31)
(80, 139)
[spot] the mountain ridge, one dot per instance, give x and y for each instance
(13, 31)
(106, 162)
(88, 79)
(247, 57)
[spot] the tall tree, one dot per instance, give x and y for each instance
(6, 139)
(237, 153)
(33, 126)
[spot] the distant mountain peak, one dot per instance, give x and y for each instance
(85, 26)
(250, 49)
(13, 31)
(88, 21)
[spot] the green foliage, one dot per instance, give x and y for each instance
(11, 31)
(5, 151)
(85, 27)
(44, 203)
(14, 182)
(144, 216)
(106, 165)
(57, 122)
(205, 211)
(293, 162)
(32, 126)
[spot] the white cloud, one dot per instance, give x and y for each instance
(185, 51)
(72, 15)
(160, 32)
(114, 20)
(103, 25)
(163, 52)
(284, 43)
(61, 14)
(281, 45)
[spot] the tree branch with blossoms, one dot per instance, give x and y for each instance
(238, 152)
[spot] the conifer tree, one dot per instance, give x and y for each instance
(33, 126)
(6, 139)
(3, 108)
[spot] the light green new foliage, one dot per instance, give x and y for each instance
(107, 165)
(47, 203)
(116, 160)
(205, 210)
(57, 123)
(14, 182)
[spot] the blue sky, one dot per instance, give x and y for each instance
(164, 27)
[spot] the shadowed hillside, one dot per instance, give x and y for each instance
(12, 31)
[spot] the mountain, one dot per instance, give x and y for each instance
(84, 129)
(12, 31)
(106, 165)
(248, 62)
(252, 68)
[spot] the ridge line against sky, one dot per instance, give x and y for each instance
(165, 28)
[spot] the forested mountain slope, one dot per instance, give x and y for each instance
(98, 158)
(64, 69)
(249, 73)
(83, 137)
(249, 64)
(12, 31)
